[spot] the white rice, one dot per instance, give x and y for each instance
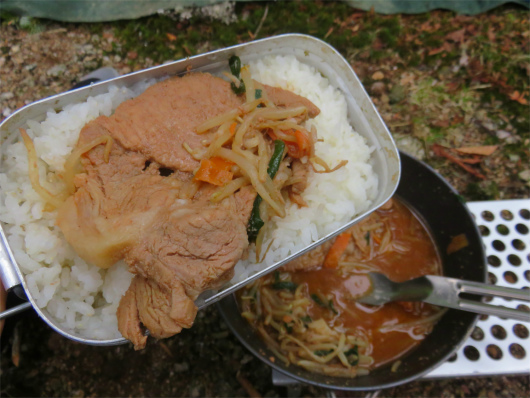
(83, 298)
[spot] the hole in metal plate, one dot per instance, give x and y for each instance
(517, 351)
(525, 213)
(498, 332)
(492, 279)
(494, 351)
(514, 260)
(484, 231)
(523, 307)
(494, 261)
(518, 244)
(502, 229)
(507, 215)
(487, 215)
(520, 331)
(521, 228)
(477, 334)
(498, 245)
(471, 353)
(510, 277)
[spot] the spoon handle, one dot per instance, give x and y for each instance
(446, 292)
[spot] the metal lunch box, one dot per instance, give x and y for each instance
(362, 115)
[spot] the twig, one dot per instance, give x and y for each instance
(261, 22)
(15, 348)
(441, 151)
(249, 388)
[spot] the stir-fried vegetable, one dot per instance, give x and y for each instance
(215, 171)
(255, 222)
(298, 143)
(329, 305)
(336, 251)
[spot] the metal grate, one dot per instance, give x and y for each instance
(498, 346)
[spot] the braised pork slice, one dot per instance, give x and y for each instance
(286, 99)
(310, 260)
(139, 202)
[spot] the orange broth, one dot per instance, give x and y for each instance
(411, 254)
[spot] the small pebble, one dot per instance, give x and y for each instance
(378, 75)
(378, 88)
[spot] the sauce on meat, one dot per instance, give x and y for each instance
(394, 328)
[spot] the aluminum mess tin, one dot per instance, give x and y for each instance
(362, 115)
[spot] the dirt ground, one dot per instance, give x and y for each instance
(441, 82)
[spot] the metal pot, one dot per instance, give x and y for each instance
(444, 214)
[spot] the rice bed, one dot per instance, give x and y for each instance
(83, 298)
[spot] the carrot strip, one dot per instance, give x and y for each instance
(215, 171)
(233, 128)
(336, 251)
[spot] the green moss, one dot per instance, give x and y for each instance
(474, 192)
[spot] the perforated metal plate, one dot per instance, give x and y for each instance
(498, 346)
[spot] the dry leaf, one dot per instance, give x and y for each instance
(445, 47)
(478, 150)
(519, 97)
(457, 243)
(456, 36)
(171, 37)
(378, 75)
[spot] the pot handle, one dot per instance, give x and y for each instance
(9, 277)
(8, 273)
(15, 310)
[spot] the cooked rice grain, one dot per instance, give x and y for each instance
(83, 298)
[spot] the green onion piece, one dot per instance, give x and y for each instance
(276, 158)
(255, 222)
(258, 93)
(306, 319)
(291, 286)
(318, 300)
(332, 307)
(235, 65)
(238, 90)
(352, 355)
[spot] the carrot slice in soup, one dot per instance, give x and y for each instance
(336, 251)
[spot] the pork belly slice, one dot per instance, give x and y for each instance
(142, 205)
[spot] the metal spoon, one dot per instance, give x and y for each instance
(445, 292)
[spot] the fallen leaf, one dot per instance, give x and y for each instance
(445, 47)
(457, 243)
(519, 97)
(378, 75)
(329, 32)
(491, 33)
(442, 151)
(132, 55)
(457, 35)
(171, 36)
(485, 150)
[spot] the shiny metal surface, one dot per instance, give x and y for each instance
(445, 292)
(361, 112)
